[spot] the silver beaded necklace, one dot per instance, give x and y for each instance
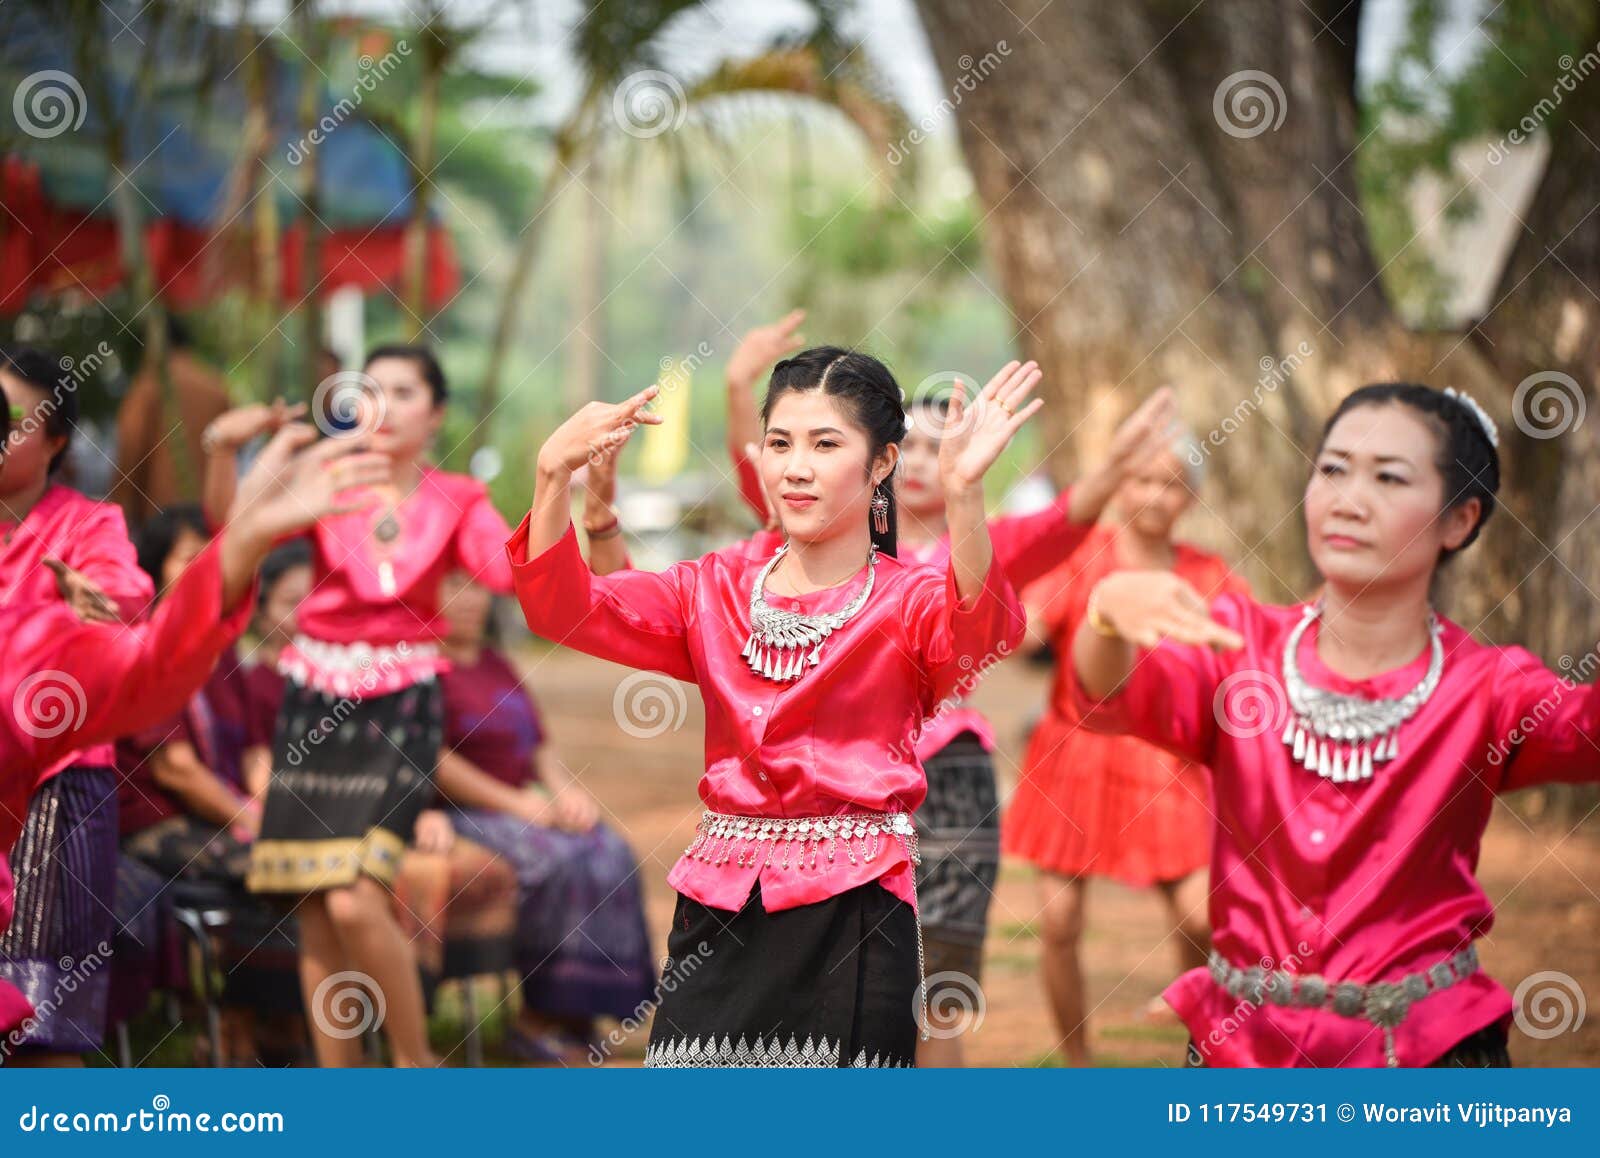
(1362, 732)
(778, 639)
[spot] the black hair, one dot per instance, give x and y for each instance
(1464, 455)
(282, 560)
(43, 371)
(425, 362)
(155, 540)
(869, 394)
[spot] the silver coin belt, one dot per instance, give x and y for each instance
(1384, 1003)
(720, 837)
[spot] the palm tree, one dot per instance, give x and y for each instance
(631, 90)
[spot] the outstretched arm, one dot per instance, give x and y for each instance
(630, 617)
(755, 354)
(1030, 546)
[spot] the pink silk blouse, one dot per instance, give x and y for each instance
(1365, 881)
(447, 523)
(110, 679)
(87, 536)
(821, 745)
(1027, 547)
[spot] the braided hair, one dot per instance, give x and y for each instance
(868, 394)
(1464, 455)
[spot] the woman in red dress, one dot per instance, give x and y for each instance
(1112, 806)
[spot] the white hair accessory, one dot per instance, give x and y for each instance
(1490, 430)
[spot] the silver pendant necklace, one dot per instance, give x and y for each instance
(1341, 737)
(386, 531)
(778, 639)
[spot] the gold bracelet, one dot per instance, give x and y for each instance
(1098, 622)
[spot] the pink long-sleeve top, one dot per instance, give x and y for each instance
(447, 523)
(88, 536)
(72, 684)
(822, 745)
(1027, 547)
(1360, 882)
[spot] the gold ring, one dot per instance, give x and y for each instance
(1010, 413)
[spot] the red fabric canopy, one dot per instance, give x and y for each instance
(47, 249)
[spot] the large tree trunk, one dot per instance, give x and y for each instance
(1543, 335)
(1169, 197)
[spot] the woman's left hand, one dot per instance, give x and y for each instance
(434, 833)
(975, 434)
(82, 594)
(574, 810)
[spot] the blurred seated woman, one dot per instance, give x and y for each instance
(582, 947)
(455, 900)
(187, 814)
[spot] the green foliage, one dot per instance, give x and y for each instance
(1446, 88)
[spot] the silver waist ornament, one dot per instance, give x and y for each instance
(1341, 737)
(779, 639)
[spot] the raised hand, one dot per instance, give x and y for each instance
(298, 479)
(231, 429)
(1145, 607)
(1146, 432)
(763, 346)
(975, 435)
(597, 431)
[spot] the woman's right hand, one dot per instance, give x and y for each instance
(761, 347)
(231, 429)
(1145, 607)
(599, 430)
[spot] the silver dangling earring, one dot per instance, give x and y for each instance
(880, 512)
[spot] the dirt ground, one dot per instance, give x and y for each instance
(1544, 882)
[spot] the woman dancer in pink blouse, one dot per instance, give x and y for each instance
(1356, 745)
(795, 939)
(358, 735)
